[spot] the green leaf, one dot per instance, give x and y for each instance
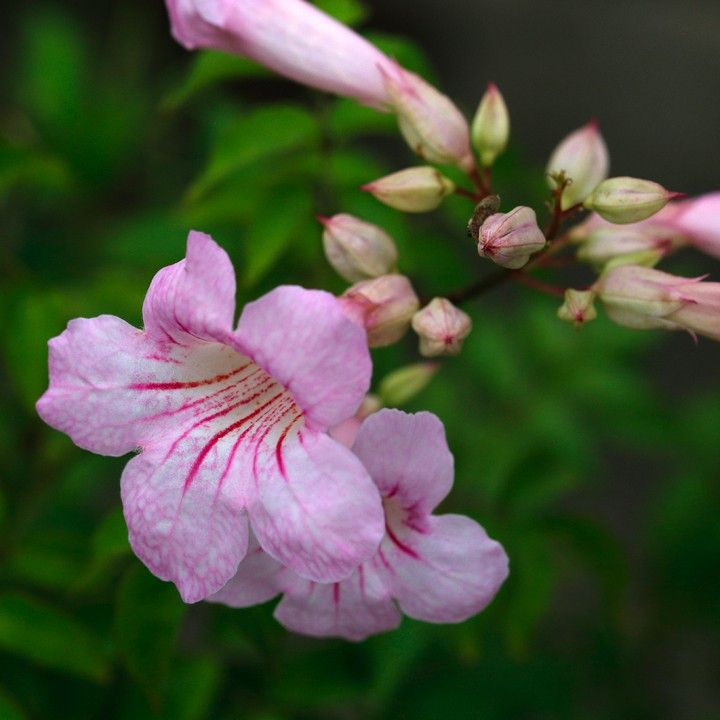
(348, 119)
(274, 229)
(9, 709)
(209, 68)
(263, 134)
(148, 615)
(50, 561)
(39, 632)
(349, 12)
(28, 168)
(192, 688)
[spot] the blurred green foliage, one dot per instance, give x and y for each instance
(570, 449)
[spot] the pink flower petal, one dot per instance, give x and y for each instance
(257, 580)
(313, 506)
(446, 574)
(407, 457)
(303, 339)
(195, 298)
(353, 609)
(194, 536)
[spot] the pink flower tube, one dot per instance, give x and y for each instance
(230, 424)
(297, 40)
(291, 37)
(437, 568)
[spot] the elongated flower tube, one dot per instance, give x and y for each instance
(583, 157)
(291, 37)
(645, 298)
(229, 422)
(608, 242)
(437, 568)
(297, 40)
(699, 220)
(509, 239)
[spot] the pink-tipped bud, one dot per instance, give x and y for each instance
(356, 249)
(583, 158)
(578, 307)
(643, 298)
(429, 121)
(491, 126)
(414, 190)
(699, 220)
(509, 239)
(609, 242)
(622, 200)
(441, 327)
(405, 383)
(384, 306)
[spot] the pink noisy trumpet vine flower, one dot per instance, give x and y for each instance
(230, 424)
(437, 568)
(297, 40)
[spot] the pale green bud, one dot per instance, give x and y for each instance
(623, 200)
(405, 383)
(441, 327)
(578, 307)
(356, 249)
(491, 126)
(414, 190)
(583, 158)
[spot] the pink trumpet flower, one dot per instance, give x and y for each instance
(230, 423)
(297, 40)
(438, 568)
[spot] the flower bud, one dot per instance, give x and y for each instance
(384, 306)
(441, 327)
(578, 307)
(641, 298)
(405, 383)
(429, 121)
(609, 242)
(417, 189)
(509, 239)
(622, 200)
(356, 249)
(583, 157)
(491, 126)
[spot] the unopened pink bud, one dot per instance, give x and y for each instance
(642, 298)
(491, 126)
(624, 200)
(356, 249)
(609, 242)
(417, 189)
(583, 157)
(384, 306)
(578, 307)
(293, 38)
(441, 327)
(509, 239)
(429, 121)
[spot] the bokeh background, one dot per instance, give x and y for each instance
(592, 456)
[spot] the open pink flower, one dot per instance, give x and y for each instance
(230, 424)
(435, 568)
